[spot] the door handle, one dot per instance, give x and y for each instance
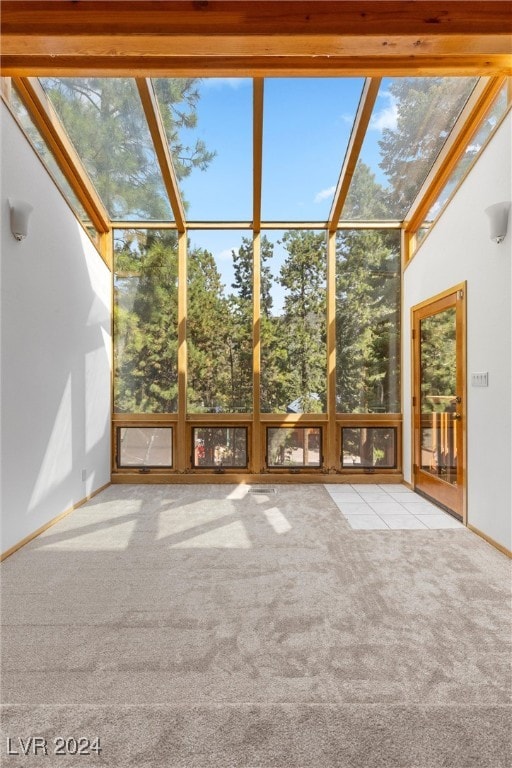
(457, 417)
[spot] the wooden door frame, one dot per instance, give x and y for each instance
(461, 306)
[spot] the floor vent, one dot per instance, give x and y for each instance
(262, 490)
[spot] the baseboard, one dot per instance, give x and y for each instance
(49, 524)
(490, 540)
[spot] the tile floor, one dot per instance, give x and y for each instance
(372, 507)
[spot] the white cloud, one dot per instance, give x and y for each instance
(348, 119)
(387, 117)
(324, 194)
(226, 254)
(226, 82)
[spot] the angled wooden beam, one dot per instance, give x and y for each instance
(256, 37)
(48, 123)
(362, 119)
(156, 128)
(257, 132)
(466, 126)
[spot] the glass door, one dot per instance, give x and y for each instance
(439, 400)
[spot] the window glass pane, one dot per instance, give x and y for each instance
(368, 447)
(219, 447)
(145, 321)
(208, 124)
(294, 447)
(411, 120)
(46, 155)
(473, 149)
(306, 128)
(368, 321)
(293, 322)
(219, 324)
(106, 123)
(144, 446)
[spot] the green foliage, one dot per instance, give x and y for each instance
(367, 307)
(208, 335)
(145, 323)
(303, 275)
(106, 123)
(438, 356)
(367, 321)
(427, 109)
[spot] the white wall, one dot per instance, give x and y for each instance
(458, 248)
(55, 351)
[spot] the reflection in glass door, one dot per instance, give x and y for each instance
(439, 394)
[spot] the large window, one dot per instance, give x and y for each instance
(306, 130)
(411, 121)
(219, 322)
(145, 321)
(293, 322)
(106, 123)
(368, 321)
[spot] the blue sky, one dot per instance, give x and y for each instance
(306, 129)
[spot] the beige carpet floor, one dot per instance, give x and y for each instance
(195, 626)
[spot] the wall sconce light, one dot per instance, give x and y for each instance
(20, 213)
(498, 218)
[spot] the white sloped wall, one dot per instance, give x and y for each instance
(55, 351)
(459, 248)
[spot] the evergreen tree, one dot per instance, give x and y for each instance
(106, 123)
(240, 340)
(427, 108)
(296, 339)
(367, 307)
(145, 323)
(208, 334)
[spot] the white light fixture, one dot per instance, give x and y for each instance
(498, 218)
(20, 212)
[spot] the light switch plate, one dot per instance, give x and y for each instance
(480, 379)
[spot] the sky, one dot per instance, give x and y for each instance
(306, 129)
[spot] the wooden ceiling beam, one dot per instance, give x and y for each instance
(157, 131)
(256, 38)
(463, 131)
(463, 65)
(264, 17)
(361, 122)
(48, 123)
